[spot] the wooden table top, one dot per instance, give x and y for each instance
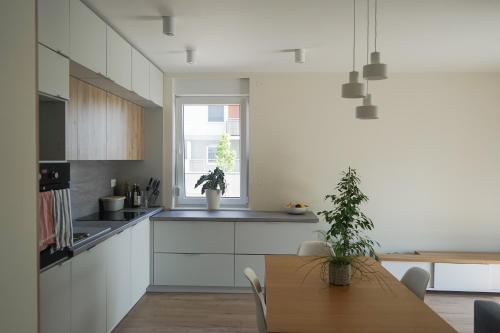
(445, 257)
(300, 303)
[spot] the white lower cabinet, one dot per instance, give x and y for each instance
(55, 299)
(206, 270)
(88, 291)
(255, 262)
(272, 237)
(118, 275)
(140, 260)
(399, 268)
(462, 277)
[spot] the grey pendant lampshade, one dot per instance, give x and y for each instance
(367, 110)
(354, 88)
(375, 70)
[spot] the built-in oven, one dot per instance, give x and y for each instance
(53, 176)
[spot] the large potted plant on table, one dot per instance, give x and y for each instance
(348, 225)
(214, 185)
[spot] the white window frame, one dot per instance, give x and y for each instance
(180, 198)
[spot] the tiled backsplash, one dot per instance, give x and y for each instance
(90, 180)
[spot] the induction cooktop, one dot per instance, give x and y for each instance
(112, 216)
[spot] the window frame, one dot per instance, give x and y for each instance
(180, 198)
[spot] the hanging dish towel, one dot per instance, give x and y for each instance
(62, 219)
(46, 230)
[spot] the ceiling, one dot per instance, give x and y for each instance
(254, 35)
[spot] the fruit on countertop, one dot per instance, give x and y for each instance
(297, 205)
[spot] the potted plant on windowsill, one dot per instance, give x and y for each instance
(346, 235)
(214, 185)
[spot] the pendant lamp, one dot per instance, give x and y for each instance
(354, 88)
(375, 70)
(367, 110)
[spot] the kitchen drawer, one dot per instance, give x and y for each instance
(194, 237)
(495, 277)
(399, 268)
(255, 262)
(462, 277)
(206, 270)
(272, 237)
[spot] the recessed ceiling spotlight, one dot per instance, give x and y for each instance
(300, 56)
(190, 56)
(168, 25)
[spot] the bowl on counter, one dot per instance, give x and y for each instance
(113, 203)
(296, 208)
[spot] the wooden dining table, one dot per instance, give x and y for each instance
(300, 299)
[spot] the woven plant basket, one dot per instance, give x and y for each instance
(340, 275)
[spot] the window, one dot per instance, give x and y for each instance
(211, 155)
(215, 113)
(211, 132)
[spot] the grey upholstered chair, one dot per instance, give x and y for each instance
(314, 249)
(260, 301)
(486, 317)
(416, 279)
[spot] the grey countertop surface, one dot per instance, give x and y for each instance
(115, 227)
(233, 216)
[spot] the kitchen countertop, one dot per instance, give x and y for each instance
(115, 227)
(233, 216)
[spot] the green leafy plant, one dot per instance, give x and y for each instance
(348, 224)
(214, 180)
(224, 155)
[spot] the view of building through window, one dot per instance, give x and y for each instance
(211, 139)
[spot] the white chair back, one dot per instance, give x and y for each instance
(314, 249)
(416, 279)
(260, 301)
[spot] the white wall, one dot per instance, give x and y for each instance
(430, 164)
(18, 133)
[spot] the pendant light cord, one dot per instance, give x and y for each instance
(376, 10)
(354, 38)
(367, 37)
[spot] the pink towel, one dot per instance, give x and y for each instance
(46, 230)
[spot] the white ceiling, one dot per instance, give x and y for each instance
(251, 35)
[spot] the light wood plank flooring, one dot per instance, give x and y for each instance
(196, 313)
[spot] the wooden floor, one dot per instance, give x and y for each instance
(196, 313)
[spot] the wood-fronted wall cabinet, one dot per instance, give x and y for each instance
(102, 126)
(125, 129)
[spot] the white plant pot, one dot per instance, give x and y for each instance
(213, 199)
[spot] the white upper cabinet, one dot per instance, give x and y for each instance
(53, 73)
(155, 85)
(119, 59)
(140, 74)
(53, 24)
(87, 38)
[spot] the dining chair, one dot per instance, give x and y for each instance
(486, 316)
(416, 279)
(314, 249)
(260, 302)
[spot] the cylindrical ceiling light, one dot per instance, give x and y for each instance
(300, 56)
(375, 70)
(168, 25)
(367, 110)
(190, 56)
(354, 88)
